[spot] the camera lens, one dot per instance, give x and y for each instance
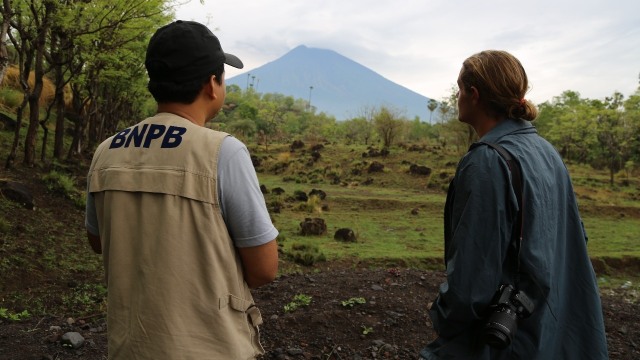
(499, 329)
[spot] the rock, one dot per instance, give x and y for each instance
(294, 351)
(376, 167)
(263, 189)
(7, 123)
(17, 192)
(313, 226)
(376, 287)
(419, 170)
(317, 147)
(300, 195)
(72, 339)
(315, 155)
(297, 144)
(255, 161)
(345, 234)
(319, 193)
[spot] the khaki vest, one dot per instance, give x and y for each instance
(175, 283)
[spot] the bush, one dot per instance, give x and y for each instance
(64, 185)
(306, 255)
(10, 99)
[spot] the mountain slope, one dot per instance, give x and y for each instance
(341, 87)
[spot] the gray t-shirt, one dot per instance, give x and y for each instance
(241, 201)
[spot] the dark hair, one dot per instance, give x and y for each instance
(501, 82)
(185, 93)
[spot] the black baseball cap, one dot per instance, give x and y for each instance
(185, 51)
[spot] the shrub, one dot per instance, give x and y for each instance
(312, 205)
(10, 99)
(306, 255)
(64, 185)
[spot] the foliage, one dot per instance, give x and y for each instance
(351, 302)
(6, 314)
(10, 99)
(366, 330)
(603, 134)
(389, 125)
(85, 297)
(305, 254)
(64, 185)
(312, 205)
(298, 301)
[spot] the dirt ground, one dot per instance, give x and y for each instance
(392, 323)
(355, 311)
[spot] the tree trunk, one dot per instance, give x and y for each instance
(16, 136)
(58, 143)
(4, 31)
(34, 97)
(45, 136)
(32, 130)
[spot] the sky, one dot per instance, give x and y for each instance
(588, 46)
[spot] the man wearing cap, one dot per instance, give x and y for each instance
(176, 210)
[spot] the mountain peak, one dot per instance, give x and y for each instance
(333, 83)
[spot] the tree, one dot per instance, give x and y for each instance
(242, 128)
(431, 105)
(569, 123)
(389, 125)
(32, 21)
(612, 138)
(7, 14)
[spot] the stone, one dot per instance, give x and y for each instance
(345, 234)
(72, 339)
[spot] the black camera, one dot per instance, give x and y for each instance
(509, 306)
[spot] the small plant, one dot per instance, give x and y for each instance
(366, 330)
(298, 301)
(353, 302)
(6, 314)
(85, 298)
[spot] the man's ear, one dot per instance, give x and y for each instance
(210, 87)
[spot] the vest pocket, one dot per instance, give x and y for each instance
(253, 317)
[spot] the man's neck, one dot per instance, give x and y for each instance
(186, 111)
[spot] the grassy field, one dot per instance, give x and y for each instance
(381, 213)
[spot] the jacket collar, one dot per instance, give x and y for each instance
(507, 127)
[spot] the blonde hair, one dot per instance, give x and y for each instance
(501, 82)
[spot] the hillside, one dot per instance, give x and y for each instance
(356, 309)
(341, 87)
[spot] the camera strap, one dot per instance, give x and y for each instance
(516, 183)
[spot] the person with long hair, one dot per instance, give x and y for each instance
(520, 284)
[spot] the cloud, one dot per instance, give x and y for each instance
(586, 46)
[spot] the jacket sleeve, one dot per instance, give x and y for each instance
(482, 212)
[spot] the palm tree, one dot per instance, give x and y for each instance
(432, 105)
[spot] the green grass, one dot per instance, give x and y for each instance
(380, 217)
(612, 237)
(380, 213)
